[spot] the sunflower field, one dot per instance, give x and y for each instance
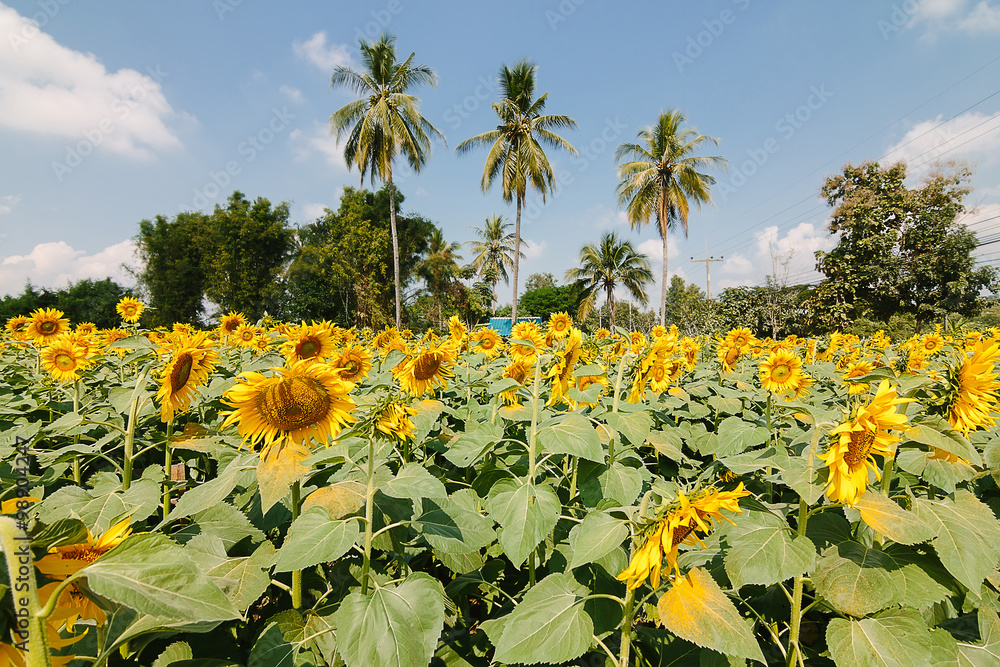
(278, 494)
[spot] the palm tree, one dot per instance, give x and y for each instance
(384, 122)
(662, 176)
(515, 146)
(605, 266)
(494, 252)
(440, 267)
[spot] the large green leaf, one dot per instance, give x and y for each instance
(737, 436)
(469, 446)
(571, 433)
(598, 535)
(527, 514)
(939, 434)
(633, 425)
(765, 551)
(393, 626)
(696, 609)
(886, 517)
(452, 528)
(616, 482)
(208, 494)
(894, 638)
(968, 536)
(315, 538)
(549, 626)
(987, 652)
(918, 578)
(251, 575)
(414, 481)
(152, 575)
(854, 579)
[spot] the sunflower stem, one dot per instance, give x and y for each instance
(369, 513)
(167, 463)
(77, 472)
(133, 412)
(16, 547)
(614, 408)
(793, 653)
(626, 646)
(296, 574)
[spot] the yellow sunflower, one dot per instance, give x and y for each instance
(858, 440)
(86, 328)
(188, 368)
(308, 342)
(394, 421)
(384, 339)
(602, 334)
(46, 324)
(457, 329)
(245, 336)
(354, 363)
(488, 342)
(559, 325)
(230, 322)
(63, 358)
(562, 370)
(972, 400)
(741, 338)
(680, 524)
(17, 327)
(129, 309)
(304, 400)
(517, 370)
(781, 372)
(931, 344)
(856, 370)
(424, 369)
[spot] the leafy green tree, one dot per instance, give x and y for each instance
(440, 269)
(543, 301)
(384, 122)
(538, 281)
(175, 266)
(688, 309)
(252, 244)
(343, 268)
(83, 301)
(493, 252)
(516, 151)
(766, 310)
(611, 263)
(900, 249)
(661, 177)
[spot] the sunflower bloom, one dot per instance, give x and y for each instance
(187, 369)
(424, 370)
(229, 323)
(63, 358)
(304, 400)
(457, 329)
(559, 325)
(310, 343)
(973, 398)
(781, 372)
(46, 324)
(354, 363)
(129, 309)
(394, 421)
(17, 327)
(488, 342)
(562, 371)
(857, 441)
(856, 370)
(517, 370)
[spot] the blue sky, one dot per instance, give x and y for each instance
(118, 111)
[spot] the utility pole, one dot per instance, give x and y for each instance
(708, 267)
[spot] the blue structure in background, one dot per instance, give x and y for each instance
(503, 326)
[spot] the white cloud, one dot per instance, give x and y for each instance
(653, 249)
(293, 94)
(532, 249)
(312, 211)
(985, 218)
(318, 140)
(315, 51)
(967, 137)
(52, 90)
(798, 246)
(956, 15)
(8, 202)
(57, 264)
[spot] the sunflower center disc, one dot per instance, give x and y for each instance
(181, 371)
(860, 448)
(293, 403)
(47, 327)
(308, 348)
(780, 373)
(427, 366)
(65, 362)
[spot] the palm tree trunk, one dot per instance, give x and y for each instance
(395, 247)
(517, 259)
(611, 308)
(663, 287)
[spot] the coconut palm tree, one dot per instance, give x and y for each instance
(384, 122)
(662, 176)
(605, 266)
(493, 252)
(515, 146)
(440, 267)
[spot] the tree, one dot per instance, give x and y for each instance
(661, 177)
(688, 309)
(174, 273)
(543, 301)
(515, 146)
(252, 244)
(538, 281)
(83, 301)
(611, 263)
(440, 269)
(343, 268)
(493, 253)
(385, 121)
(900, 250)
